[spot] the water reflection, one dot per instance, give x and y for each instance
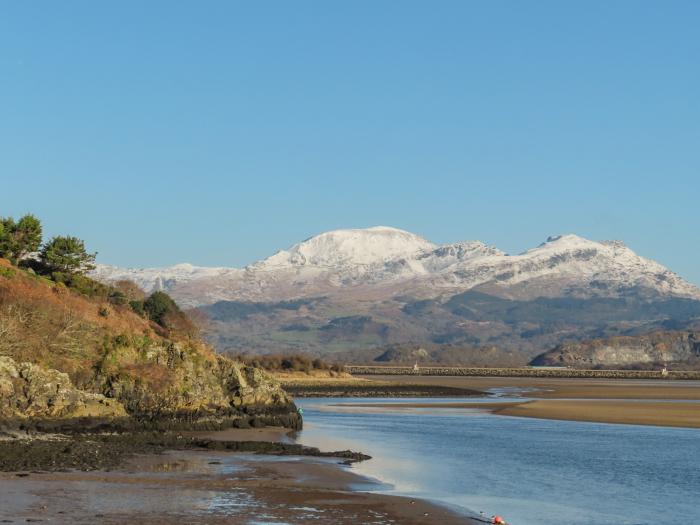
(535, 472)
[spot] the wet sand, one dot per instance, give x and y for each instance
(199, 487)
(565, 388)
(670, 414)
(491, 407)
(638, 402)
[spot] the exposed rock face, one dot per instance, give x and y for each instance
(197, 391)
(655, 348)
(31, 391)
(257, 395)
(228, 394)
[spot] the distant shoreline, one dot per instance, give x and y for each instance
(630, 412)
(375, 389)
(543, 372)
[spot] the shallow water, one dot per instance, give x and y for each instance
(531, 471)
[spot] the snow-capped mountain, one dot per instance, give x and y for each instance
(383, 262)
(360, 290)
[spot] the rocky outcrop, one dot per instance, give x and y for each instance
(224, 395)
(29, 391)
(183, 387)
(653, 349)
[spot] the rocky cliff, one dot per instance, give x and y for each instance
(77, 360)
(29, 391)
(680, 349)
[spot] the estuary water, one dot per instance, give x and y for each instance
(531, 471)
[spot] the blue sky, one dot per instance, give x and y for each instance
(218, 132)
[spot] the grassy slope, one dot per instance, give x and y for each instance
(47, 324)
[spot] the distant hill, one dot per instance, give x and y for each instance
(681, 350)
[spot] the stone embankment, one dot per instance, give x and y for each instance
(521, 372)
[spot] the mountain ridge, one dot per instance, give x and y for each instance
(355, 293)
(388, 257)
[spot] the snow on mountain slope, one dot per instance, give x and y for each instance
(340, 248)
(566, 263)
(388, 261)
(151, 279)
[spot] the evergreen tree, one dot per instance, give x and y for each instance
(19, 239)
(66, 255)
(3, 237)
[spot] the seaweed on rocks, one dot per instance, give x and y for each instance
(110, 450)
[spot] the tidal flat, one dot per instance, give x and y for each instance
(640, 402)
(250, 476)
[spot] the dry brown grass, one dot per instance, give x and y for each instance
(48, 324)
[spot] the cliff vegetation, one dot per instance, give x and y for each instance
(78, 353)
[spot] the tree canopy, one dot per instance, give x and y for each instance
(19, 239)
(66, 254)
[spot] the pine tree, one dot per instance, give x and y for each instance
(19, 239)
(66, 255)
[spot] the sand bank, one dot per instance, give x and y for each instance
(565, 388)
(666, 413)
(670, 414)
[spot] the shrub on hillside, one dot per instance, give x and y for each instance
(162, 310)
(288, 363)
(158, 306)
(137, 307)
(117, 297)
(82, 284)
